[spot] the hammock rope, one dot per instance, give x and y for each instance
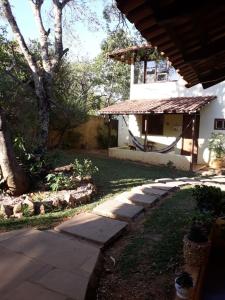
(167, 149)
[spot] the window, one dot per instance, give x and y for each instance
(155, 124)
(219, 124)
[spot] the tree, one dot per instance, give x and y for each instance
(42, 71)
(113, 78)
(15, 177)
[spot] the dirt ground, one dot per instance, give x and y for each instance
(137, 286)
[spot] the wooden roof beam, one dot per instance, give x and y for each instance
(205, 53)
(213, 75)
(182, 9)
(127, 6)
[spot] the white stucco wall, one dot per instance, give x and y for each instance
(162, 90)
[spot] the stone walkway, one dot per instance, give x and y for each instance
(63, 264)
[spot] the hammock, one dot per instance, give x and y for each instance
(167, 149)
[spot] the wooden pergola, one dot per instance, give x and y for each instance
(191, 33)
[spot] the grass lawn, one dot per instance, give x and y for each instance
(114, 176)
(151, 254)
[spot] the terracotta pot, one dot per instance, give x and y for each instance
(216, 163)
(219, 233)
(195, 254)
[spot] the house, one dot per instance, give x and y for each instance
(168, 121)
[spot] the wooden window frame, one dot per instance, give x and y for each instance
(219, 120)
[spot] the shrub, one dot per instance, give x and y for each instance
(84, 168)
(197, 234)
(217, 144)
(203, 220)
(35, 165)
(59, 181)
(209, 199)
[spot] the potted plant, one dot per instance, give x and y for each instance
(196, 246)
(217, 146)
(183, 285)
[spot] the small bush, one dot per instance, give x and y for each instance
(197, 234)
(209, 199)
(84, 168)
(59, 181)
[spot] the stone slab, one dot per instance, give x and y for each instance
(71, 285)
(57, 250)
(15, 268)
(27, 290)
(177, 183)
(164, 180)
(150, 190)
(14, 233)
(218, 180)
(161, 186)
(94, 228)
(118, 210)
(138, 198)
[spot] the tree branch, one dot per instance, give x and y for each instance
(36, 7)
(58, 7)
(65, 2)
(19, 37)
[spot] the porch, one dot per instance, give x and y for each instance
(161, 131)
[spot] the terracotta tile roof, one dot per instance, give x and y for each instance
(170, 105)
(128, 55)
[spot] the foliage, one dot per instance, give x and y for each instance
(59, 181)
(35, 165)
(197, 234)
(103, 138)
(71, 97)
(217, 144)
(84, 168)
(203, 220)
(16, 92)
(112, 77)
(209, 199)
(185, 280)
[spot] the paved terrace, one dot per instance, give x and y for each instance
(63, 264)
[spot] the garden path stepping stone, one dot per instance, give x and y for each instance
(150, 190)
(161, 186)
(164, 180)
(118, 210)
(137, 198)
(177, 183)
(94, 228)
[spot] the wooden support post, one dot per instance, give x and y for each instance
(146, 133)
(193, 142)
(109, 131)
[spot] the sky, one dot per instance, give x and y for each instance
(80, 40)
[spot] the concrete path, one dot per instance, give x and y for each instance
(62, 264)
(45, 265)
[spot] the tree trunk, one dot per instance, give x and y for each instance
(42, 90)
(13, 174)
